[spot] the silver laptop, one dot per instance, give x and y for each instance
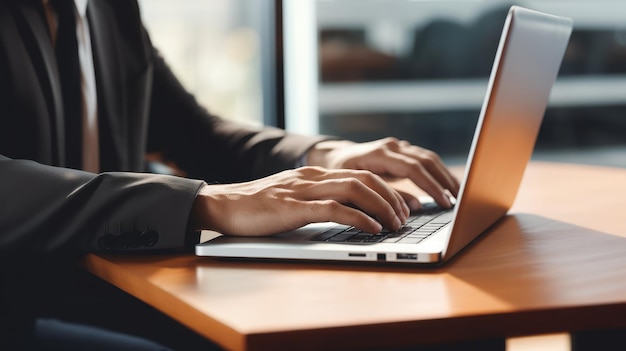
(527, 62)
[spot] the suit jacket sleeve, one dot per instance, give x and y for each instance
(208, 147)
(51, 210)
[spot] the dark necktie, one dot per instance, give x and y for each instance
(69, 71)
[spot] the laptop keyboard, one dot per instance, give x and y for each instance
(417, 228)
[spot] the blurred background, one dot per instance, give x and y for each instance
(416, 70)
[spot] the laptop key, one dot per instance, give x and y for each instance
(354, 239)
(408, 240)
(374, 238)
(418, 235)
(443, 219)
(340, 238)
(326, 235)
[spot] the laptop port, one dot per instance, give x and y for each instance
(406, 256)
(357, 254)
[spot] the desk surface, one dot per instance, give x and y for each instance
(529, 275)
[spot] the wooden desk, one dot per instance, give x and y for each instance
(529, 275)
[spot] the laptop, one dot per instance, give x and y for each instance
(526, 64)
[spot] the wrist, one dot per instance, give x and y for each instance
(321, 153)
(201, 211)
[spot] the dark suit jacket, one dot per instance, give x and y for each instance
(47, 210)
(142, 107)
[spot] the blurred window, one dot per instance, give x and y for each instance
(418, 70)
(213, 47)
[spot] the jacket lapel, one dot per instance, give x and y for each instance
(43, 55)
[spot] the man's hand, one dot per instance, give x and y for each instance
(391, 158)
(294, 198)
